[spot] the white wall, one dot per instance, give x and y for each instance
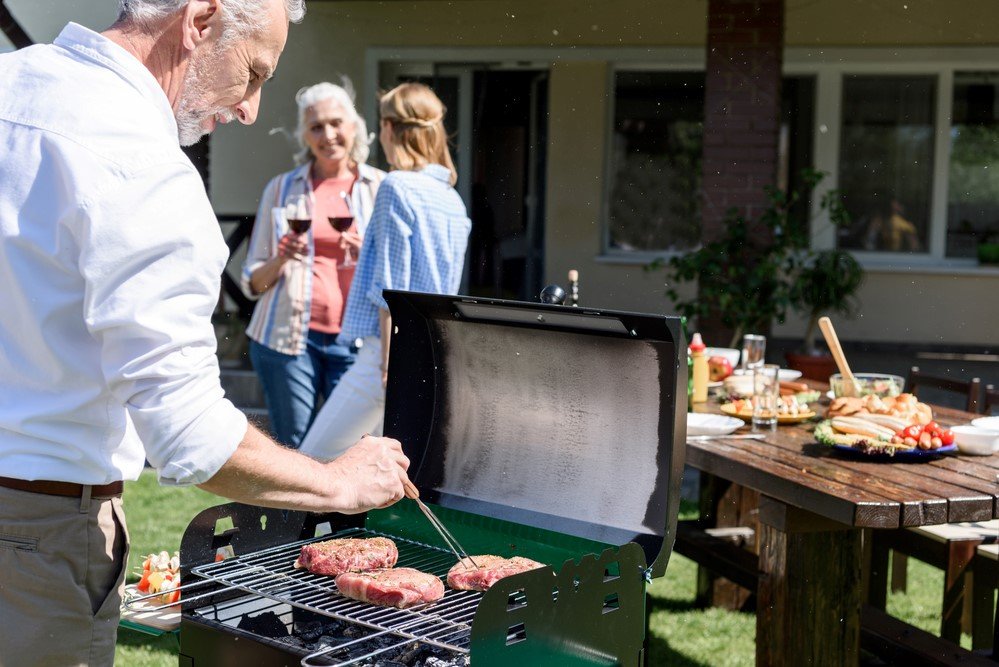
(43, 19)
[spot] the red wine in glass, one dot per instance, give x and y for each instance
(342, 223)
(299, 225)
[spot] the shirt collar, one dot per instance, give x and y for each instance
(365, 172)
(98, 48)
(440, 172)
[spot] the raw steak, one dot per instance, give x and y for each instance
(334, 557)
(466, 577)
(400, 587)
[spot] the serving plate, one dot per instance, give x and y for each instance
(988, 423)
(783, 374)
(901, 455)
(149, 615)
(708, 424)
(729, 409)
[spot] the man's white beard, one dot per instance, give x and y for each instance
(190, 119)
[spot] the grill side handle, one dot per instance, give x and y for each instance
(590, 613)
(234, 528)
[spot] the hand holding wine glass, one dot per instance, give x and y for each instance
(349, 241)
(298, 213)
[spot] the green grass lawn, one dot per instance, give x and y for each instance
(683, 635)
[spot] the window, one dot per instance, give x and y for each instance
(886, 162)
(973, 197)
(655, 182)
(655, 178)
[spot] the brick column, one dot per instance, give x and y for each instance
(741, 106)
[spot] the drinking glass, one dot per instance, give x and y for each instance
(754, 349)
(766, 393)
(342, 223)
(298, 213)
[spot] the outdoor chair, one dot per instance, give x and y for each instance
(991, 399)
(972, 388)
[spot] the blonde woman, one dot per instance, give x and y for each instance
(302, 279)
(415, 241)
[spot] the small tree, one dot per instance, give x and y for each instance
(827, 284)
(748, 275)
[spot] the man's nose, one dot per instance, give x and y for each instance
(246, 111)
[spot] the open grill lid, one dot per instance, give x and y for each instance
(567, 419)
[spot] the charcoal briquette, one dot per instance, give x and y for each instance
(267, 624)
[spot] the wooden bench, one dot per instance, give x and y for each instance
(985, 573)
(883, 635)
(950, 547)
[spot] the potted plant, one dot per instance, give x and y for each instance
(746, 276)
(988, 246)
(827, 283)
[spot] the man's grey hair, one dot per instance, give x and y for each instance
(242, 18)
(342, 95)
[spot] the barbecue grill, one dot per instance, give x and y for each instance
(537, 430)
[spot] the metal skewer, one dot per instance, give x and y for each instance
(452, 543)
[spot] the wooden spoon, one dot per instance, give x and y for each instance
(850, 387)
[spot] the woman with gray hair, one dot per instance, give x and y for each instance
(302, 276)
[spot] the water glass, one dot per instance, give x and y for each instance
(754, 349)
(766, 393)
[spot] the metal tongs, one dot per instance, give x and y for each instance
(452, 543)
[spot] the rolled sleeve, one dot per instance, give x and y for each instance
(151, 288)
(261, 247)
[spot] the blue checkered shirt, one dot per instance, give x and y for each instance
(415, 241)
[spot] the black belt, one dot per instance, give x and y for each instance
(68, 489)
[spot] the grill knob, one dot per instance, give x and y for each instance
(553, 294)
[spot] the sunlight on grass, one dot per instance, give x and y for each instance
(156, 517)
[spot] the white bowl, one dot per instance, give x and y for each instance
(704, 424)
(972, 439)
(989, 423)
(729, 353)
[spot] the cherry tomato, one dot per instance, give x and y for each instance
(947, 437)
(913, 432)
(932, 427)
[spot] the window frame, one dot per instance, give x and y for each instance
(829, 67)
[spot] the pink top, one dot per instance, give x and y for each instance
(330, 280)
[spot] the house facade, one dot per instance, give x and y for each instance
(579, 134)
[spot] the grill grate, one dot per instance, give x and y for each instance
(271, 573)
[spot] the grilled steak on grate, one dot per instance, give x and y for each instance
(466, 577)
(334, 557)
(400, 587)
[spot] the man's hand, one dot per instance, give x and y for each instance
(370, 475)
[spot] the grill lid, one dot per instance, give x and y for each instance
(567, 419)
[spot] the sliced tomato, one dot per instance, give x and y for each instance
(143, 584)
(174, 596)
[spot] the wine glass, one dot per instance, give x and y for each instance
(298, 213)
(342, 223)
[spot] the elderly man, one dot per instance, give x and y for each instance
(110, 258)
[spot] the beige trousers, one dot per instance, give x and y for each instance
(62, 573)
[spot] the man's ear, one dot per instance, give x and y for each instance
(201, 20)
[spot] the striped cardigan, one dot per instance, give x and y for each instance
(281, 317)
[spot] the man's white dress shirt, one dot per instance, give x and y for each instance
(110, 265)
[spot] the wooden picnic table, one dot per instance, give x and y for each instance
(815, 503)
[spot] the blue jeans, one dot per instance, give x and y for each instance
(293, 385)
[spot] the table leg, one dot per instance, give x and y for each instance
(808, 606)
(725, 505)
